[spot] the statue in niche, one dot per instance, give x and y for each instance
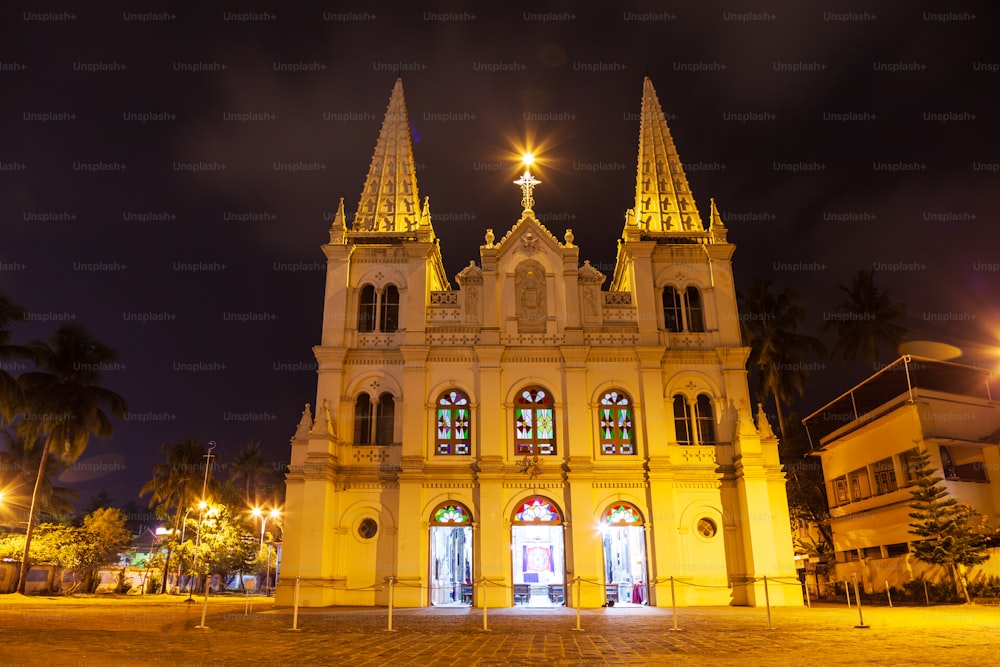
(590, 301)
(529, 285)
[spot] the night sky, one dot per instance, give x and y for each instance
(167, 176)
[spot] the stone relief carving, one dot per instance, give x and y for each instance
(529, 286)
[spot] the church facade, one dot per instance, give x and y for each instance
(528, 436)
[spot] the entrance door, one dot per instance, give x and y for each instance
(451, 555)
(624, 539)
(537, 545)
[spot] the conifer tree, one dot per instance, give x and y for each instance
(951, 534)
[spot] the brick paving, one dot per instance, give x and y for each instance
(158, 630)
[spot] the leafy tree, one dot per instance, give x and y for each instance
(65, 405)
(806, 490)
(227, 545)
(106, 530)
(952, 534)
(65, 546)
(779, 354)
(866, 318)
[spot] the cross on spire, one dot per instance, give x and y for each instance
(527, 183)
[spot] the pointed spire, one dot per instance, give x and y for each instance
(716, 226)
(339, 226)
(389, 199)
(663, 200)
(305, 425)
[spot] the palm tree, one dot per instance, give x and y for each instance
(174, 487)
(15, 455)
(250, 468)
(64, 405)
(866, 318)
(10, 393)
(778, 352)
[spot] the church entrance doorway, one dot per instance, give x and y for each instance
(624, 539)
(451, 555)
(538, 561)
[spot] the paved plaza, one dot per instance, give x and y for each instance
(161, 630)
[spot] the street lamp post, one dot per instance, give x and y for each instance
(273, 514)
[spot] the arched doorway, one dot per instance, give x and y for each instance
(624, 538)
(451, 554)
(538, 553)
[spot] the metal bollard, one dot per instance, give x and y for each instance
(391, 580)
(204, 607)
(673, 603)
(295, 604)
(767, 601)
(857, 598)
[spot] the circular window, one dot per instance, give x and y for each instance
(707, 527)
(367, 528)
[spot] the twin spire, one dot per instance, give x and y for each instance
(663, 201)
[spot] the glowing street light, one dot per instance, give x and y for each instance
(273, 514)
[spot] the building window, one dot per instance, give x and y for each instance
(707, 528)
(388, 319)
(860, 487)
(885, 476)
(384, 304)
(671, 309)
(617, 435)
(366, 310)
(374, 422)
(705, 420)
(682, 420)
(839, 495)
(452, 424)
(450, 514)
(536, 509)
(694, 425)
(533, 423)
(622, 514)
(683, 311)
(695, 312)
(367, 528)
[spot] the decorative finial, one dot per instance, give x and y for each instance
(490, 238)
(568, 236)
(527, 183)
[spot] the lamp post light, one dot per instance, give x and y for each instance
(273, 514)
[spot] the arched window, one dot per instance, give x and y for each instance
(384, 415)
(615, 424)
(373, 422)
(671, 309)
(366, 309)
(378, 306)
(452, 424)
(705, 420)
(622, 514)
(451, 514)
(362, 420)
(695, 312)
(536, 509)
(389, 312)
(682, 420)
(694, 423)
(683, 310)
(533, 423)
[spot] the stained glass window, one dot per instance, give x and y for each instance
(450, 514)
(534, 431)
(452, 435)
(537, 509)
(615, 417)
(622, 514)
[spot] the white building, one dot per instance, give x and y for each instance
(525, 428)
